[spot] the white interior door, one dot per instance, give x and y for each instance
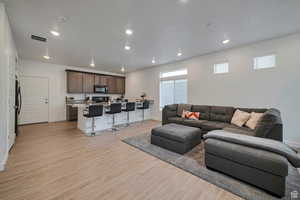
(35, 99)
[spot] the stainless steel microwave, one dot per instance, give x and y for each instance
(103, 89)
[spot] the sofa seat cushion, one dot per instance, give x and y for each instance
(176, 132)
(213, 125)
(239, 130)
(221, 113)
(194, 123)
(256, 158)
(176, 120)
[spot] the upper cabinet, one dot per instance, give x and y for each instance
(83, 82)
(120, 88)
(88, 83)
(74, 82)
(101, 80)
(112, 85)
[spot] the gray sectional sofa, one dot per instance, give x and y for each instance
(219, 118)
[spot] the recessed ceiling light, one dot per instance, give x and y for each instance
(127, 47)
(183, 1)
(123, 69)
(226, 41)
(55, 33)
(129, 31)
(153, 60)
(179, 54)
(46, 57)
(92, 62)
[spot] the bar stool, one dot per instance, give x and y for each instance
(114, 109)
(144, 106)
(92, 112)
(130, 106)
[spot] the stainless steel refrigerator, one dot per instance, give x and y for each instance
(18, 104)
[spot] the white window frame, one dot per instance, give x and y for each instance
(221, 72)
(180, 74)
(256, 64)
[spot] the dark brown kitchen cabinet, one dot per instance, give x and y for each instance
(120, 88)
(101, 80)
(72, 113)
(112, 85)
(74, 82)
(84, 82)
(88, 83)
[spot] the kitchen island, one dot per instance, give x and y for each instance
(105, 122)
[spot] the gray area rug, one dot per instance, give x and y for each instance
(193, 162)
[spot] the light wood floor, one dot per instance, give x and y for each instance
(56, 161)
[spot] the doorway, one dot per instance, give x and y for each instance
(35, 100)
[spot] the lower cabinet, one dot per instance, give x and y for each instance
(72, 113)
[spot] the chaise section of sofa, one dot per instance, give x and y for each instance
(219, 118)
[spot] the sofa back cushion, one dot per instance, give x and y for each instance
(240, 118)
(203, 110)
(221, 113)
(250, 110)
(182, 107)
(267, 122)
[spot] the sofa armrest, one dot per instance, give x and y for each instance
(168, 111)
(270, 125)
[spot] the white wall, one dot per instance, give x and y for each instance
(8, 54)
(57, 84)
(242, 86)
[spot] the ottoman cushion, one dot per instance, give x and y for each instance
(251, 157)
(177, 132)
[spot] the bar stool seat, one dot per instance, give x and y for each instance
(115, 108)
(92, 112)
(130, 106)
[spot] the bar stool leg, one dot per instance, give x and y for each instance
(143, 115)
(93, 127)
(113, 125)
(127, 118)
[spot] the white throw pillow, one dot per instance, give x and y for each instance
(252, 122)
(240, 118)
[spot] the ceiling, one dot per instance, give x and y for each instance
(96, 28)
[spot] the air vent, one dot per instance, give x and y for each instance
(38, 38)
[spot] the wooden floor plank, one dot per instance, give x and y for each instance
(56, 161)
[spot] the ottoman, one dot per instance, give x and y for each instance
(175, 137)
(260, 168)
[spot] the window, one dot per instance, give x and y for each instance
(264, 62)
(174, 73)
(221, 68)
(173, 87)
(173, 92)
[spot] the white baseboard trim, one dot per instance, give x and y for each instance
(292, 143)
(3, 163)
(2, 167)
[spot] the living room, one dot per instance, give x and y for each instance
(178, 99)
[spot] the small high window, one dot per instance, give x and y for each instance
(264, 62)
(221, 68)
